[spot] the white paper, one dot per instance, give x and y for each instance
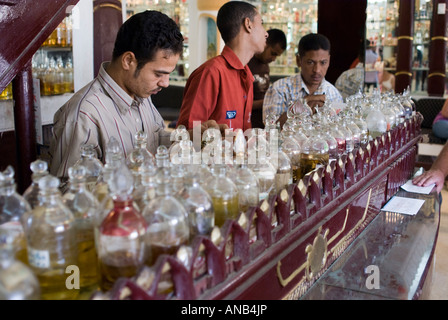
(410, 187)
(403, 205)
(441, 7)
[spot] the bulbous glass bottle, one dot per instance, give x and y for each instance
(291, 148)
(39, 169)
(121, 245)
(84, 207)
(13, 212)
(314, 153)
(51, 242)
(167, 220)
(139, 155)
(17, 281)
(198, 205)
(91, 163)
(224, 194)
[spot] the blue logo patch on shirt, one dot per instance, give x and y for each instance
(231, 114)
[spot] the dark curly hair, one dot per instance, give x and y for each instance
(145, 33)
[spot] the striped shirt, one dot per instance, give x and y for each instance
(284, 90)
(97, 112)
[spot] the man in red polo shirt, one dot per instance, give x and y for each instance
(221, 89)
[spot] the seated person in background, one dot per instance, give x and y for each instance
(117, 103)
(440, 123)
(351, 81)
(371, 78)
(313, 60)
(222, 88)
(259, 66)
(388, 80)
(437, 173)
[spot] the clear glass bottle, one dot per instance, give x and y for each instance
(146, 191)
(92, 164)
(17, 281)
(51, 242)
(246, 182)
(314, 153)
(280, 160)
(224, 195)
(121, 243)
(13, 212)
(84, 207)
(198, 204)
(39, 169)
(139, 155)
(167, 219)
(291, 148)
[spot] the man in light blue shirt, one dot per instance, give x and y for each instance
(313, 60)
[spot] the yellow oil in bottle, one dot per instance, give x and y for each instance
(225, 209)
(54, 287)
(309, 162)
(87, 260)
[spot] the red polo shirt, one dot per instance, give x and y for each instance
(220, 89)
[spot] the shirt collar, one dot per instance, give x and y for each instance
(123, 100)
(232, 58)
(320, 89)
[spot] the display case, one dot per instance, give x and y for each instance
(382, 31)
(295, 18)
(178, 11)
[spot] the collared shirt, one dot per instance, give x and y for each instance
(351, 81)
(220, 89)
(371, 73)
(97, 112)
(292, 88)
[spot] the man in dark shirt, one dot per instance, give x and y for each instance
(259, 66)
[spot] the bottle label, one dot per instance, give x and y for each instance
(39, 258)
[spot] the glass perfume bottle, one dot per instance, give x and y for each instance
(84, 207)
(198, 204)
(244, 178)
(13, 212)
(17, 281)
(167, 219)
(224, 195)
(291, 148)
(258, 162)
(314, 153)
(39, 169)
(280, 160)
(139, 155)
(92, 164)
(121, 245)
(146, 191)
(51, 242)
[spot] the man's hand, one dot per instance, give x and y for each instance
(429, 177)
(314, 101)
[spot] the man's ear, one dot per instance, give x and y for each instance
(247, 25)
(298, 60)
(128, 60)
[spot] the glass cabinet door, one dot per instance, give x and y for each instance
(381, 35)
(295, 18)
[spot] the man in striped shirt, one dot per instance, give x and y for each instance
(313, 60)
(117, 103)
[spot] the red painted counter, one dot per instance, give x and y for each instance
(283, 247)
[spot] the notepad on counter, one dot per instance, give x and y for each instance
(403, 205)
(410, 187)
